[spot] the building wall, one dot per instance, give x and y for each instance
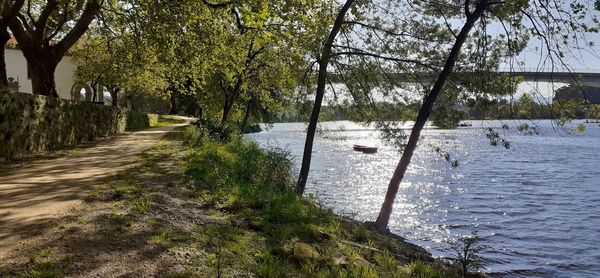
(16, 67)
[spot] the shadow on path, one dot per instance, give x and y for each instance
(35, 195)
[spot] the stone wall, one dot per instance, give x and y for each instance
(32, 124)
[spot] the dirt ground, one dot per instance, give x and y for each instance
(123, 227)
(153, 220)
(40, 192)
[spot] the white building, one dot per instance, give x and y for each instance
(64, 76)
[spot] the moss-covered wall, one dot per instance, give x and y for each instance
(138, 120)
(32, 124)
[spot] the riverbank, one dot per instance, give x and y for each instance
(211, 209)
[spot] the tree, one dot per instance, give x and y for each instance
(534, 18)
(193, 47)
(45, 31)
(8, 11)
(263, 53)
(525, 107)
(367, 47)
(323, 61)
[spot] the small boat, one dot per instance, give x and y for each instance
(365, 149)
(465, 124)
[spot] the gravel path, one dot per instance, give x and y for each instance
(41, 191)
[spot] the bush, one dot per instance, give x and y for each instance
(468, 253)
(223, 133)
(193, 137)
(253, 128)
(237, 162)
(424, 270)
(137, 121)
(212, 164)
(250, 175)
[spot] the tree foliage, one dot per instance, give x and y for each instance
(45, 31)
(234, 61)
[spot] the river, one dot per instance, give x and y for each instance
(536, 205)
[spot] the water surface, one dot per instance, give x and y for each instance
(537, 205)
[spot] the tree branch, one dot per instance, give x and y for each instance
(358, 52)
(89, 13)
(10, 11)
(40, 24)
(217, 5)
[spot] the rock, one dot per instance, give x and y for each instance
(282, 250)
(325, 235)
(360, 261)
(304, 252)
(345, 261)
(340, 260)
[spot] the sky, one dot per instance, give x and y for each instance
(578, 60)
(584, 60)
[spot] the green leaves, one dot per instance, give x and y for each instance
(510, 8)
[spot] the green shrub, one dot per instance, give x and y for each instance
(213, 164)
(424, 270)
(193, 137)
(468, 253)
(238, 163)
(223, 133)
(254, 128)
(137, 120)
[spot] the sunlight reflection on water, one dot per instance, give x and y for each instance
(535, 204)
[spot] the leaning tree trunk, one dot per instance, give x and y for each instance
(230, 99)
(320, 93)
(386, 209)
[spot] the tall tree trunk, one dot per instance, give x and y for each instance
(227, 107)
(174, 103)
(42, 57)
(42, 75)
(4, 37)
(246, 117)
(320, 93)
(114, 94)
(230, 98)
(232, 94)
(8, 11)
(386, 209)
(95, 91)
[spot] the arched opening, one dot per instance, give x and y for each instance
(81, 92)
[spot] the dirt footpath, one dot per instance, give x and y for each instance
(34, 195)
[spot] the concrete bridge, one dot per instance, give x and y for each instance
(591, 79)
(584, 78)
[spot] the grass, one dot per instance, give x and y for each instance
(255, 186)
(44, 264)
(224, 209)
(164, 120)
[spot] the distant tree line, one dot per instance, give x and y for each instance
(573, 101)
